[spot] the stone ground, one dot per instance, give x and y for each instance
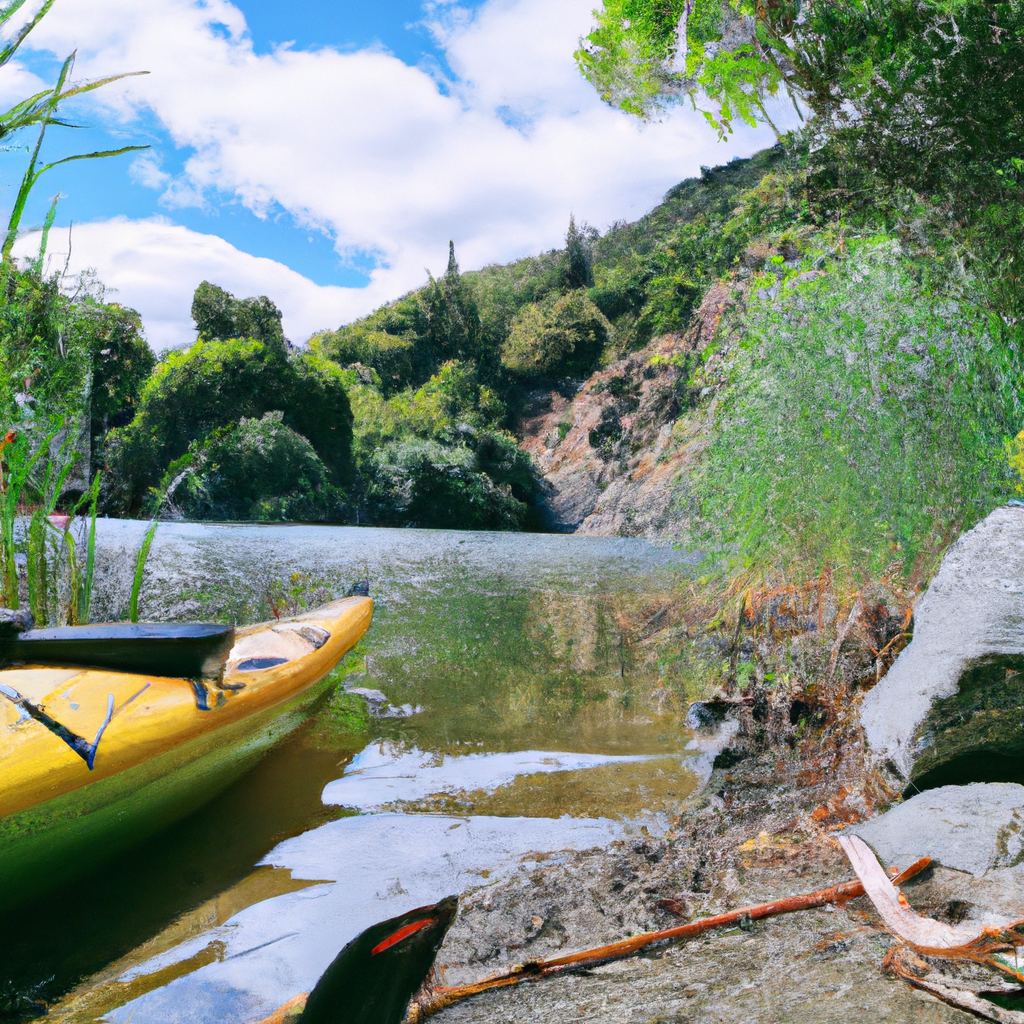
(810, 966)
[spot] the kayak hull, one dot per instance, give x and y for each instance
(53, 842)
(158, 760)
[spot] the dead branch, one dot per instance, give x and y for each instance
(903, 964)
(965, 941)
(843, 630)
(441, 996)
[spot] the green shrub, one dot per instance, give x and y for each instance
(213, 383)
(862, 419)
(561, 336)
(70, 356)
(452, 396)
(425, 483)
(256, 470)
(391, 356)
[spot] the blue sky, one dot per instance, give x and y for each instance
(99, 189)
(323, 153)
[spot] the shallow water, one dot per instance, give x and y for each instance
(543, 728)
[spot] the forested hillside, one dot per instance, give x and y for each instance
(852, 386)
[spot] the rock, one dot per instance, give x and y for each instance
(13, 622)
(971, 615)
(704, 714)
(709, 743)
(609, 455)
(375, 700)
(968, 828)
(380, 707)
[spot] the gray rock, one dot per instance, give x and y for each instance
(374, 698)
(379, 706)
(14, 622)
(973, 609)
(704, 714)
(969, 828)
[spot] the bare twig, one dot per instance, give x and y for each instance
(843, 630)
(913, 970)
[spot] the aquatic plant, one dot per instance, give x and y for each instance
(41, 109)
(296, 594)
(39, 557)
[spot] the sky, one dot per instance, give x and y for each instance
(323, 152)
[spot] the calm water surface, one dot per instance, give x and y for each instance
(539, 729)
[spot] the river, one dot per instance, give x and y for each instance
(521, 721)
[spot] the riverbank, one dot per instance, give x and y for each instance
(512, 730)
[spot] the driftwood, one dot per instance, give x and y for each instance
(983, 944)
(966, 941)
(436, 998)
(901, 962)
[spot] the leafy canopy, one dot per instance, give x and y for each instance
(950, 69)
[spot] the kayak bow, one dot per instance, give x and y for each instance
(94, 760)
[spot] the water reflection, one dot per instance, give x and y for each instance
(385, 863)
(544, 728)
(530, 783)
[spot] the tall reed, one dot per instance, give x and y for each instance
(39, 557)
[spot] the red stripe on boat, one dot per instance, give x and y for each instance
(399, 935)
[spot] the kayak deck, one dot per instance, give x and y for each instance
(150, 648)
(130, 718)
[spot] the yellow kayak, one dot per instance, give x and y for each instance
(93, 760)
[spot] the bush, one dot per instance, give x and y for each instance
(560, 336)
(453, 396)
(862, 421)
(70, 355)
(213, 383)
(391, 356)
(256, 470)
(425, 483)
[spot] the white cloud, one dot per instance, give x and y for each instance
(371, 149)
(155, 266)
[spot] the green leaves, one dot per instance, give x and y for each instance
(41, 109)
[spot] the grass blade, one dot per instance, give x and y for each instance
(140, 568)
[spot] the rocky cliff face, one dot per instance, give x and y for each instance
(614, 456)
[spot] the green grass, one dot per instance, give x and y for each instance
(861, 422)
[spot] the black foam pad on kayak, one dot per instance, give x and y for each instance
(191, 650)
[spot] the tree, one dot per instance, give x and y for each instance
(578, 258)
(948, 70)
(918, 95)
(212, 384)
(452, 322)
(559, 336)
(218, 315)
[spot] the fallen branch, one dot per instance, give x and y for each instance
(439, 997)
(920, 975)
(840, 637)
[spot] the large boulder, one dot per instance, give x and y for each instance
(968, 828)
(953, 701)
